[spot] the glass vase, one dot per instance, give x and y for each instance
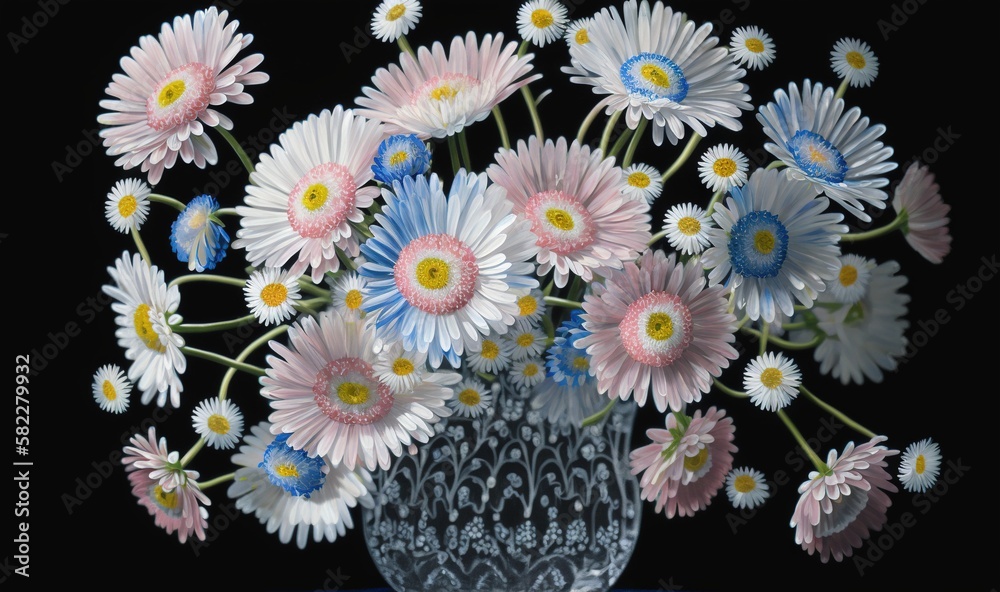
(519, 499)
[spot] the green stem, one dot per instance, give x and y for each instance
(686, 154)
(836, 413)
(715, 199)
(214, 357)
(785, 343)
(141, 246)
(501, 127)
(609, 126)
(841, 90)
(554, 301)
(190, 454)
(217, 481)
(620, 142)
(599, 415)
(816, 460)
(210, 327)
(580, 135)
(164, 199)
(306, 285)
(207, 277)
(463, 143)
(899, 222)
(404, 45)
(453, 153)
(226, 212)
(536, 121)
(729, 391)
(256, 343)
(244, 158)
(774, 164)
(763, 339)
(657, 237)
(636, 137)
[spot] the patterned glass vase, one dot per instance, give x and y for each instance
(518, 499)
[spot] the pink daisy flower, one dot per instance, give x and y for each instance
(171, 494)
(436, 94)
(926, 227)
(573, 198)
(838, 510)
(326, 394)
(655, 325)
(169, 90)
(686, 464)
(305, 194)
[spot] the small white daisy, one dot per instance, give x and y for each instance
(472, 398)
(920, 465)
(490, 354)
(541, 21)
(853, 60)
(752, 47)
(851, 283)
(348, 295)
(723, 167)
(772, 381)
(525, 342)
(127, 205)
(395, 18)
(527, 373)
(642, 182)
(686, 225)
(219, 422)
(111, 388)
(399, 368)
(530, 307)
(746, 488)
(577, 32)
(270, 294)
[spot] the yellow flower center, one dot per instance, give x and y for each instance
(921, 465)
(526, 305)
(109, 390)
(581, 37)
(274, 294)
(525, 339)
(432, 273)
(352, 299)
(144, 329)
(445, 91)
(218, 424)
(696, 462)
(580, 363)
(398, 157)
(402, 367)
(639, 179)
(315, 196)
(848, 275)
(287, 470)
(817, 156)
(352, 393)
(469, 397)
(655, 75)
(170, 93)
(560, 218)
(763, 241)
(530, 370)
(395, 12)
(490, 350)
(166, 499)
(689, 226)
(659, 326)
(127, 205)
(542, 18)
(744, 484)
(197, 219)
(724, 167)
(755, 45)
(855, 60)
(771, 378)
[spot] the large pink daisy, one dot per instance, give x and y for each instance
(655, 325)
(573, 198)
(838, 510)
(326, 394)
(926, 228)
(169, 89)
(436, 94)
(686, 463)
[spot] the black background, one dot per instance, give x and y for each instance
(85, 526)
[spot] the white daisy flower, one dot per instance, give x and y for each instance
(399, 368)
(541, 21)
(111, 388)
(530, 307)
(854, 61)
(395, 18)
(525, 374)
(472, 398)
(146, 309)
(490, 354)
(577, 31)
(751, 47)
(722, 167)
(746, 488)
(920, 465)
(852, 279)
(128, 205)
(772, 381)
(643, 182)
(525, 342)
(271, 294)
(348, 294)
(686, 226)
(219, 422)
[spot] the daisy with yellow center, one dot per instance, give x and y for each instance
(642, 182)
(772, 381)
(395, 18)
(111, 388)
(577, 31)
(399, 368)
(541, 22)
(490, 354)
(271, 294)
(348, 294)
(527, 373)
(722, 167)
(525, 342)
(854, 62)
(128, 205)
(920, 465)
(219, 422)
(686, 227)
(751, 47)
(472, 398)
(746, 488)
(853, 276)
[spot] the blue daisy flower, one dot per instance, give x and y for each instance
(197, 235)
(566, 363)
(292, 470)
(399, 156)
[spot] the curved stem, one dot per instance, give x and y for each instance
(453, 153)
(404, 45)
(785, 343)
(632, 145)
(141, 246)
(658, 237)
(728, 390)
(306, 285)
(715, 199)
(210, 327)
(686, 154)
(207, 277)
(816, 460)
(836, 413)
(463, 143)
(597, 417)
(609, 125)
(244, 158)
(214, 357)
(587, 121)
(536, 121)
(501, 127)
(190, 454)
(217, 481)
(896, 224)
(226, 212)
(841, 90)
(555, 301)
(167, 200)
(256, 343)
(625, 137)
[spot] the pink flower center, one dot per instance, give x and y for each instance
(563, 225)
(321, 200)
(443, 88)
(436, 273)
(180, 97)
(347, 391)
(656, 329)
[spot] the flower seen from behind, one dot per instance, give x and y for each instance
(918, 198)
(197, 235)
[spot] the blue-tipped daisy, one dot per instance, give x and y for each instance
(831, 147)
(752, 47)
(472, 398)
(775, 244)
(653, 63)
(723, 167)
(401, 155)
(271, 294)
(920, 465)
(197, 235)
(111, 388)
(293, 470)
(128, 205)
(442, 269)
(642, 181)
(853, 60)
(541, 22)
(687, 228)
(566, 362)
(219, 422)
(746, 488)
